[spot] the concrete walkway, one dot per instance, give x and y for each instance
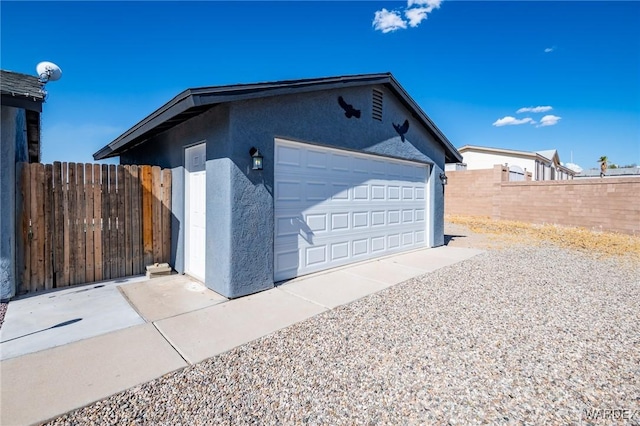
(66, 349)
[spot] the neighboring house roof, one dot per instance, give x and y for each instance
(21, 91)
(619, 172)
(192, 102)
(550, 155)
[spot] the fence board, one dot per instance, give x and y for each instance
(97, 228)
(128, 267)
(147, 216)
(113, 215)
(166, 215)
(25, 192)
(121, 243)
(81, 241)
(58, 225)
(73, 225)
(47, 225)
(106, 235)
(136, 229)
(66, 238)
(88, 195)
(37, 239)
(156, 220)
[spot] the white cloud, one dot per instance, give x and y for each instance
(387, 21)
(512, 121)
(430, 4)
(534, 109)
(549, 120)
(416, 15)
(549, 49)
(573, 167)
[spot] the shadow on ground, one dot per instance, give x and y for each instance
(450, 238)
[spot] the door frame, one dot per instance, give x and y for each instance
(187, 201)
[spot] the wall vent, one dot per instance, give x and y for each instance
(377, 105)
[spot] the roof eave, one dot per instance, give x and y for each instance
(210, 96)
(175, 106)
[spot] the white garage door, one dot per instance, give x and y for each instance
(195, 210)
(334, 207)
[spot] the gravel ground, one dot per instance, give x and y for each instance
(3, 310)
(518, 335)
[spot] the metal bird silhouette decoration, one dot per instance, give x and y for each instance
(349, 110)
(401, 129)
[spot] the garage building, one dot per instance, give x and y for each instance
(350, 169)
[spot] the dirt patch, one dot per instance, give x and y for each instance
(502, 232)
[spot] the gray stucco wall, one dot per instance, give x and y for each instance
(315, 117)
(12, 136)
(240, 201)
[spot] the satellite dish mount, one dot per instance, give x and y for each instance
(47, 71)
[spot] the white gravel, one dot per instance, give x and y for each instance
(515, 336)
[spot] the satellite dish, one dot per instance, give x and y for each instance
(48, 71)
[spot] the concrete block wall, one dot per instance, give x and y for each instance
(608, 205)
(472, 192)
(600, 204)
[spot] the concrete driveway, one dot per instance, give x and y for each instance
(68, 348)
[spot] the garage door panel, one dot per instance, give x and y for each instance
(288, 191)
(288, 156)
(360, 247)
(393, 241)
(316, 255)
(287, 261)
(287, 225)
(377, 218)
(407, 238)
(407, 216)
(340, 191)
(335, 207)
(360, 219)
(340, 163)
(339, 221)
(316, 191)
(317, 222)
(393, 217)
(317, 159)
(377, 244)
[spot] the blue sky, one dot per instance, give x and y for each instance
(470, 65)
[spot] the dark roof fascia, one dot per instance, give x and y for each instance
(211, 96)
(29, 104)
(203, 96)
(175, 106)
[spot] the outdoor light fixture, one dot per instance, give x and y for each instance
(443, 178)
(256, 159)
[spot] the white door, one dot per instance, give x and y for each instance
(334, 207)
(195, 210)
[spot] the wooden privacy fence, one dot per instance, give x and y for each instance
(81, 223)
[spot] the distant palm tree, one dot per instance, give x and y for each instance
(603, 165)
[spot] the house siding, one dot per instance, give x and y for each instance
(485, 161)
(13, 148)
